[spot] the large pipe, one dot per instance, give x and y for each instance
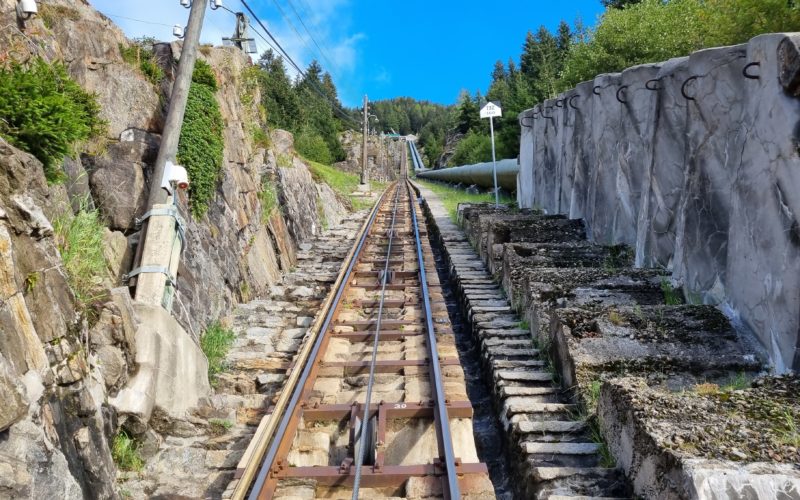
(479, 174)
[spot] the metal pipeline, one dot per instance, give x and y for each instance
(479, 174)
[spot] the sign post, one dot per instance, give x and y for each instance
(490, 110)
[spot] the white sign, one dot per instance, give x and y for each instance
(491, 110)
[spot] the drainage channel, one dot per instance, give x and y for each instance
(488, 431)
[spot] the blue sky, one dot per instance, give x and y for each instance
(422, 49)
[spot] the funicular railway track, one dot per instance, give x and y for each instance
(376, 404)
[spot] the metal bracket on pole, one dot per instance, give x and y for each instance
(170, 212)
(152, 270)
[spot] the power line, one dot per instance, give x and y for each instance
(321, 51)
(281, 51)
(138, 20)
(291, 25)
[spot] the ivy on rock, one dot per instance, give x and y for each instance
(201, 144)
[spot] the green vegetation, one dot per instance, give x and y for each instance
(80, 241)
(218, 427)
(125, 452)
(215, 343)
(52, 14)
(201, 144)
(300, 107)
(738, 382)
(625, 37)
(430, 122)
(31, 280)
(268, 196)
(452, 196)
(46, 113)
(140, 55)
(343, 184)
(672, 296)
(313, 147)
(596, 434)
(524, 325)
(789, 433)
(629, 32)
(473, 148)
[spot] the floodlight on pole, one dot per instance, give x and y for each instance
(26, 9)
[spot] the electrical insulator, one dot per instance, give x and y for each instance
(216, 4)
(177, 31)
(186, 3)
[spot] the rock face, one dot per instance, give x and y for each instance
(692, 164)
(384, 155)
(71, 377)
(52, 413)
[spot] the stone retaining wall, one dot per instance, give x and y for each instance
(693, 164)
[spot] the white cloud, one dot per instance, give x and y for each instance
(328, 21)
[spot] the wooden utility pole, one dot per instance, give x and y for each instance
(364, 156)
(177, 102)
(158, 253)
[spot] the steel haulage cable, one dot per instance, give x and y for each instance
(362, 437)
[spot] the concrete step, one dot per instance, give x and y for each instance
(553, 473)
(523, 376)
(580, 497)
(536, 448)
(550, 426)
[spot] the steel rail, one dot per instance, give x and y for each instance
(299, 386)
(371, 380)
(440, 409)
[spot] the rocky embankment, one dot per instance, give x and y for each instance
(673, 394)
(384, 156)
(78, 372)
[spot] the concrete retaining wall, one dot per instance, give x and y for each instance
(694, 165)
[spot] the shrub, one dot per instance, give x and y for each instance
(80, 240)
(201, 144)
(140, 55)
(125, 452)
(473, 148)
(218, 426)
(46, 113)
(215, 343)
(313, 147)
(203, 74)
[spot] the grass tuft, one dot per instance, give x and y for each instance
(344, 184)
(672, 296)
(125, 452)
(737, 383)
(218, 426)
(452, 196)
(790, 433)
(215, 343)
(80, 240)
(268, 196)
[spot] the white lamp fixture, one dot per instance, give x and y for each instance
(177, 31)
(26, 9)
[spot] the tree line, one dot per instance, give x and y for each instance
(307, 106)
(629, 32)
